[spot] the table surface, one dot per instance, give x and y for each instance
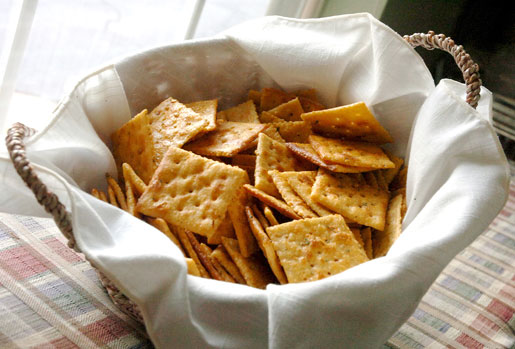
(51, 297)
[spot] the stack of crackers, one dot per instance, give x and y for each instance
(277, 189)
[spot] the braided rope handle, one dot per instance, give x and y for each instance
(469, 69)
(16, 148)
(18, 132)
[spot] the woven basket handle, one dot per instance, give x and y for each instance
(16, 147)
(467, 66)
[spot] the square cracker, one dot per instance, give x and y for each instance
(295, 131)
(244, 112)
(306, 152)
(353, 121)
(383, 240)
(271, 201)
(350, 153)
(266, 246)
(315, 248)
(292, 199)
(289, 111)
(191, 191)
(272, 97)
(271, 155)
(238, 217)
(133, 144)
(173, 124)
(207, 110)
(228, 139)
(302, 182)
(254, 268)
(350, 196)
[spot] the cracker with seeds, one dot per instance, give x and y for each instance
(383, 240)
(350, 196)
(133, 144)
(271, 201)
(272, 97)
(296, 131)
(315, 248)
(306, 152)
(254, 268)
(227, 140)
(266, 246)
(271, 155)
(173, 124)
(292, 199)
(244, 112)
(302, 182)
(289, 111)
(191, 191)
(350, 153)
(238, 217)
(353, 121)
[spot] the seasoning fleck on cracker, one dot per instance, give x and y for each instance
(316, 248)
(191, 191)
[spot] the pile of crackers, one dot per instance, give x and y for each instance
(277, 189)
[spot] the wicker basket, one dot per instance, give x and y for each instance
(18, 132)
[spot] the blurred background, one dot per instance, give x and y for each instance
(47, 45)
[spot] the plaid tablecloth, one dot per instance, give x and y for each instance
(50, 297)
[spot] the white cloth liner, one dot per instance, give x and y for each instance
(457, 181)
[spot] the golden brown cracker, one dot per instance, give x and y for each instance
(206, 250)
(315, 248)
(266, 246)
(173, 124)
(245, 238)
(270, 215)
(353, 121)
(306, 152)
(131, 200)
(225, 228)
(272, 97)
(302, 182)
(244, 112)
(266, 117)
(399, 181)
(253, 269)
(383, 240)
(260, 216)
(271, 155)
(366, 236)
(271, 201)
(310, 105)
(207, 111)
(191, 191)
(389, 174)
(203, 257)
(129, 175)
(289, 195)
(225, 260)
(274, 134)
(112, 196)
(296, 131)
(161, 225)
(350, 153)
(192, 267)
(120, 196)
(289, 111)
(357, 235)
(350, 196)
(133, 144)
(227, 140)
(190, 251)
(255, 96)
(244, 160)
(309, 93)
